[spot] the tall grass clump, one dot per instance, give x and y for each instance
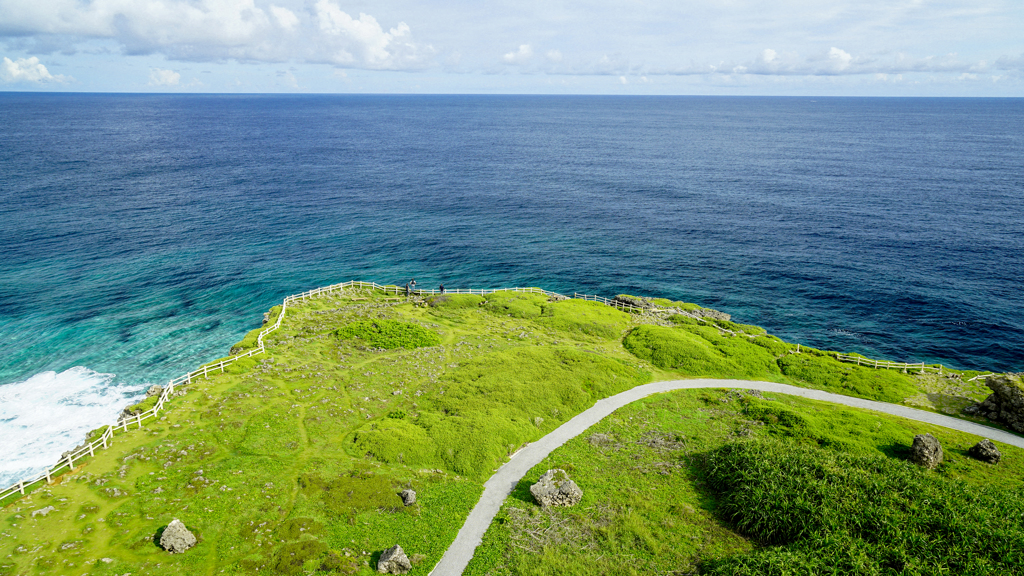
(823, 511)
(389, 334)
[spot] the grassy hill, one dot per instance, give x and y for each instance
(291, 462)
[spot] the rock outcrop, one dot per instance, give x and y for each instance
(926, 451)
(556, 489)
(177, 538)
(408, 497)
(985, 451)
(1006, 403)
(634, 301)
(393, 561)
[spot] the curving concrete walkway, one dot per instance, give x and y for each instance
(500, 485)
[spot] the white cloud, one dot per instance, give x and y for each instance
(164, 78)
(840, 58)
(768, 55)
(285, 18)
(520, 56)
(27, 70)
(216, 30)
(554, 56)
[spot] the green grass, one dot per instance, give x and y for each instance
(821, 511)
(389, 334)
(719, 482)
(291, 461)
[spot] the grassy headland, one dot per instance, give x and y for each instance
(291, 462)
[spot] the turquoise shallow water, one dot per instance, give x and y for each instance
(145, 234)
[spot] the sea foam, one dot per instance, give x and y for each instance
(42, 417)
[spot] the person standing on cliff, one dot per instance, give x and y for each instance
(442, 288)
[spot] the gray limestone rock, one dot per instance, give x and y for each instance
(393, 561)
(1006, 403)
(154, 390)
(408, 497)
(43, 511)
(926, 451)
(556, 489)
(985, 451)
(176, 538)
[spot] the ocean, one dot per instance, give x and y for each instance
(141, 235)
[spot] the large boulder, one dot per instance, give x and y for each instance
(1006, 403)
(926, 451)
(177, 538)
(985, 451)
(408, 496)
(556, 489)
(393, 561)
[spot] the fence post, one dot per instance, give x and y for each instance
(47, 473)
(21, 487)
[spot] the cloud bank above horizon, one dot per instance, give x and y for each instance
(724, 46)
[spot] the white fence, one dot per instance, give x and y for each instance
(67, 462)
(919, 367)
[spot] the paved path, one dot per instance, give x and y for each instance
(505, 479)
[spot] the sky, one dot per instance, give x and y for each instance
(680, 47)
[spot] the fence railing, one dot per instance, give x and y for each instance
(920, 367)
(67, 461)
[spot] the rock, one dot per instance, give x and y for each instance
(408, 497)
(176, 538)
(985, 451)
(43, 511)
(633, 301)
(556, 489)
(709, 313)
(926, 451)
(1006, 403)
(393, 561)
(154, 390)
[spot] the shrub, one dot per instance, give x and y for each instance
(389, 334)
(832, 512)
(581, 316)
(829, 374)
(699, 350)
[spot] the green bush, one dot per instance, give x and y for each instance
(829, 374)
(672, 349)
(699, 350)
(395, 441)
(680, 320)
(584, 317)
(772, 344)
(389, 334)
(830, 512)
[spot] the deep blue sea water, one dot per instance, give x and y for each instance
(141, 235)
